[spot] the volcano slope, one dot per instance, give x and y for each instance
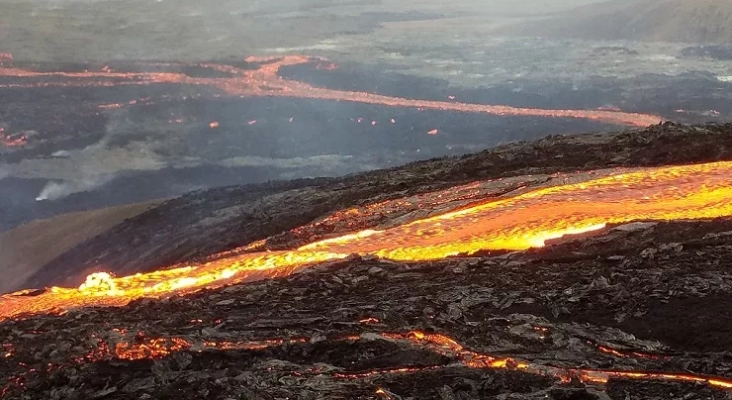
(637, 309)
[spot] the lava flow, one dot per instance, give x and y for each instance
(520, 222)
(12, 140)
(266, 81)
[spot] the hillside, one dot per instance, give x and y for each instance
(29, 247)
(590, 316)
(701, 21)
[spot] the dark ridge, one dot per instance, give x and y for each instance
(722, 52)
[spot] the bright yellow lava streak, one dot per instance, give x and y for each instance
(521, 222)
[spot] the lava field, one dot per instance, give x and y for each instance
(574, 267)
(164, 129)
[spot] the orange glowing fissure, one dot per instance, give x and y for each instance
(441, 344)
(266, 81)
(142, 348)
(521, 222)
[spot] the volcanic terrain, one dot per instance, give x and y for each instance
(574, 267)
(80, 136)
(699, 21)
(185, 251)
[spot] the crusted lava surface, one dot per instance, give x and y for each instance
(635, 311)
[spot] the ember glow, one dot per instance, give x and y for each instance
(628, 354)
(265, 81)
(15, 140)
(516, 223)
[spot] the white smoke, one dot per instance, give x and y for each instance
(59, 190)
(82, 170)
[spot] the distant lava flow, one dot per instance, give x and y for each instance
(265, 81)
(516, 223)
(11, 141)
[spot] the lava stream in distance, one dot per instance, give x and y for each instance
(265, 81)
(521, 222)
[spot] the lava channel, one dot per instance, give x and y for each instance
(525, 221)
(156, 348)
(266, 81)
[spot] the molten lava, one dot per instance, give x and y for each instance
(266, 81)
(520, 222)
(12, 140)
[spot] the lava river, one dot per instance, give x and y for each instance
(266, 81)
(521, 222)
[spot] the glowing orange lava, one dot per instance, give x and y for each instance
(266, 81)
(520, 222)
(159, 347)
(632, 354)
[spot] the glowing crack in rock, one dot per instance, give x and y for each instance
(156, 348)
(516, 223)
(142, 347)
